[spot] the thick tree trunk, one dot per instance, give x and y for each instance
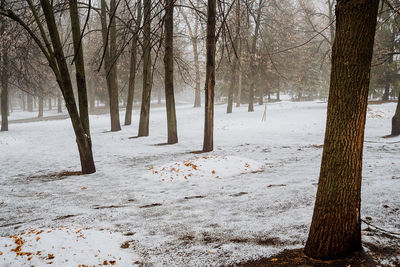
(208, 144)
(396, 119)
(147, 76)
(336, 225)
(79, 65)
(132, 73)
(169, 72)
(110, 66)
(64, 80)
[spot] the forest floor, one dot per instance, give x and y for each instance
(249, 202)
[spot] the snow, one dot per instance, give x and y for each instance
(260, 203)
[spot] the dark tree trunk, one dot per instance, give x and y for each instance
(4, 89)
(385, 96)
(23, 102)
(110, 66)
(336, 225)
(147, 76)
(132, 74)
(208, 144)
(396, 119)
(169, 72)
(60, 68)
(79, 66)
(50, 104)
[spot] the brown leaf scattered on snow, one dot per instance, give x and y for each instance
(50, 256)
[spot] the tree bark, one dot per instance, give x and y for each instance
(336, 223)
(132, 73)
(79, 65)
(50, 104)
(169, 72)
(208, 144)
(147, 76)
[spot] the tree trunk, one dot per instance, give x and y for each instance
(79, 65)
(147, 76)
(385, 96)
(4, 87)
(193, 34)
(396, 119)
(64, 80)
(235, 60)
(132, 74)
(208, 144)
(169, 72)
(253, 57)
(41, 103)
(59, 103)
(50, 104)
(110, 64)
(336, 223)
(29, 102)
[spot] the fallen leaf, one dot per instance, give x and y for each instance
(50, 256)
(83, 188)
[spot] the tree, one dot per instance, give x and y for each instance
(396, 119)
(3, 77)
(110, 66)
(53, 51)
(336, 223)
(208, 144)
(147, 75)
(133, 67)
(169, 72)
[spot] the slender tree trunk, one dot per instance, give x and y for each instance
(147, 76)
(385, 96)
(59, 103)
(41, 104)
(336, 223)
(23, 102)
(193, 34)
(253, 57)
(29, 102)
(4, 85)
(239, 69)
(64, 81)
(208, 144)
(132, 74)
(169, 72)
(79, 65)
(235, 60)
(110, 64)
(50, 104)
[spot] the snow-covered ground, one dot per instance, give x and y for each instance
(250, 198)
